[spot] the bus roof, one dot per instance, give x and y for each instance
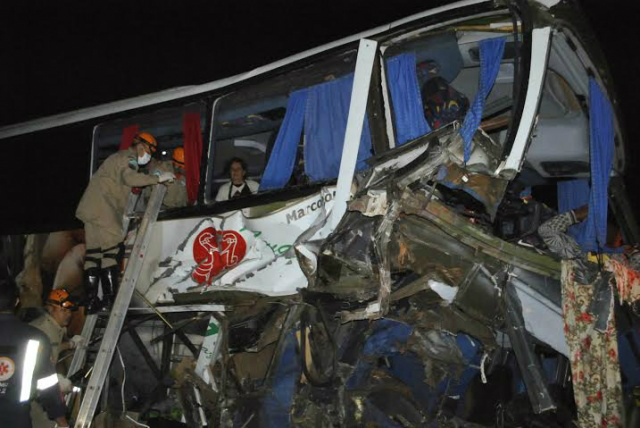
(88, 113)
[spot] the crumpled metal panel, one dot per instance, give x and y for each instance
(347, 260)
(410, 310)
(530, 368)
(398, 240)
(486, 189)
(426, 250)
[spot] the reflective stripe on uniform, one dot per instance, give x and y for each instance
(47, 382)
(27, 371)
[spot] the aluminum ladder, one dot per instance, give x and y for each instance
(117, 316)
(80, 355)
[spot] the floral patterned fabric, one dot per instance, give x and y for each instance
(594, 356)
(594, 359)
(627, 281)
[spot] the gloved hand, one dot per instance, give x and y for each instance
(76, 341)
(65, 384)
(166, 176)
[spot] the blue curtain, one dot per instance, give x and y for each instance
(325, 126)
(601, 134)
(573, 194)
(491, 51)
(592, 233)
(276, 404)
(281, 162)
(405, 95)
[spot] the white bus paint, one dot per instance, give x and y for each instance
(541, 42)
(355, 123)
(269, 239)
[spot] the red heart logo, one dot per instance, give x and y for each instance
(215, 251)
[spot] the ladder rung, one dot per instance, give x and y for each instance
(119, 310)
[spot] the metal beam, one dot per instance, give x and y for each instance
(178, 308)
(539, 55)
(187, 342)
(167, 344)
(355, 122)
(532, 373)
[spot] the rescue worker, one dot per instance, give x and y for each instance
(101, 209)
(177, 191)
(26, 371)
(238, 186)
(176, 195)
(59, 308)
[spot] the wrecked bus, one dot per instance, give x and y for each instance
(388, 271)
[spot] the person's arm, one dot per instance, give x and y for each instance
(62, 422)
(46, 380)
(133, 178)
(553, 233)
(65, 345)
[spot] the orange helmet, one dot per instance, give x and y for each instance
(146, 139)
(178, 157)
(61, 297)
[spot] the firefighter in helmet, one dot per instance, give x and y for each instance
(26, 371)
(101, 209)
(177, 191)
(59, 308)
(176, 195)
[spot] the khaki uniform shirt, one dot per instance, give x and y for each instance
(105, 199)
(176, 195)
(54, 332)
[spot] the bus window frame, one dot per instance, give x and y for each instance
(210, 159)
(527, 116)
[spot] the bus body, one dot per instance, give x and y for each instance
(343, 140)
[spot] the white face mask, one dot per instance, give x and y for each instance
(144, 159)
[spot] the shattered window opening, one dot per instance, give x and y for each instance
(448, 60)
(246, 122)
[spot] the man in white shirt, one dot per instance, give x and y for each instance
(238, 186)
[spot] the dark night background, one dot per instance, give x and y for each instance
(60, 56)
